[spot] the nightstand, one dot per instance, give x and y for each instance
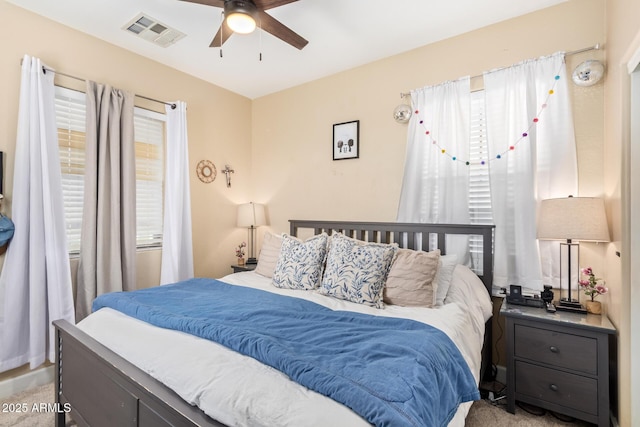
(563, 362)
(246, 267)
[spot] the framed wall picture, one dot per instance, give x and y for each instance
(346, 140)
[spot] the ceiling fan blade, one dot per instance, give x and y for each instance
(216, 3)
(270, 4)
(219, 39)
(278, 29)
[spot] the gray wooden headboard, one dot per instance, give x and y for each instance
(406, 236)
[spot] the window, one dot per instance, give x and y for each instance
(149, 136)
(479, 196)
(70, 121)
(479, 185)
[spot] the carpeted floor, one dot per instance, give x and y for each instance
(482, 413)
(13, 408)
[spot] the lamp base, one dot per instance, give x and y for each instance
(252, 261)
(571, 306)
(570, 302)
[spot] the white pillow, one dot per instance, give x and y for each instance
(357, 271)
(300, 263)
(443, 278)
(469, 291)
(269, 254)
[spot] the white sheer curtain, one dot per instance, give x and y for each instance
(435, 186)
(177, 249)
(35, 283)
(541, 165)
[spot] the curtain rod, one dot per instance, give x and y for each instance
(573, 52)
(172, 105)
(45, 69)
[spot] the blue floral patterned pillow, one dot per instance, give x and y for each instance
(300, 263)
(356, 271)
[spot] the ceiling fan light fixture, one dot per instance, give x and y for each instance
(240, 16)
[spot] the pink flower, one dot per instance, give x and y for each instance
(240, 250)
(591, 286)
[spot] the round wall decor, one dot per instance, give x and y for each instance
(206, 171)
(402, 113)
(588, 73)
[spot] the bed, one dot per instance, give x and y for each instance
(106, 370)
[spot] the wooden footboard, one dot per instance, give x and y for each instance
(103, 389)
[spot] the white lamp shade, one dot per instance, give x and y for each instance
(573, 218)
(251, 215)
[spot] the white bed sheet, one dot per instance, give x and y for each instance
(240, 391)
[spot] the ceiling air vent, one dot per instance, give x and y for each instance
(150, 29)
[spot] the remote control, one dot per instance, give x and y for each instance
(551, 308)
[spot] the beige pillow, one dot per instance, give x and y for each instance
(411, 281)
(269, 254)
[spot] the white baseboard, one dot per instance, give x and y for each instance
(26, 381)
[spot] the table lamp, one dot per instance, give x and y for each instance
(572, 218)
(251, 215)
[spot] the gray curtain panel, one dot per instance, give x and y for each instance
(108, 237)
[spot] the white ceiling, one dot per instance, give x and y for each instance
(342, 34)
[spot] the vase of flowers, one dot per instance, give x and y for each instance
(592, 288)
(240, 252)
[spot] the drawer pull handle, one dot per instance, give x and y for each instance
(554, 349)
(553, 387)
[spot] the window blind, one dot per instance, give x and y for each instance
(149, 135)
(479, 185)
(70, 119)
(149, 145)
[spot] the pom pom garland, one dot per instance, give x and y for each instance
(512, 147)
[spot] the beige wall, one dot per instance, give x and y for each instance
(623, 40)
(219, 126)
(219, 123)
(218, 120)
(294, 173)
(280, 145)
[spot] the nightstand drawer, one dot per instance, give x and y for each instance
(558, 349)
(560, 388)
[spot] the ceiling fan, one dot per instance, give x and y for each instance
(241, 16)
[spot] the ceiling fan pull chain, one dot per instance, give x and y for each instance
(260, 37)
(221, 30)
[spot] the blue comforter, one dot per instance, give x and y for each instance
(392, 372)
